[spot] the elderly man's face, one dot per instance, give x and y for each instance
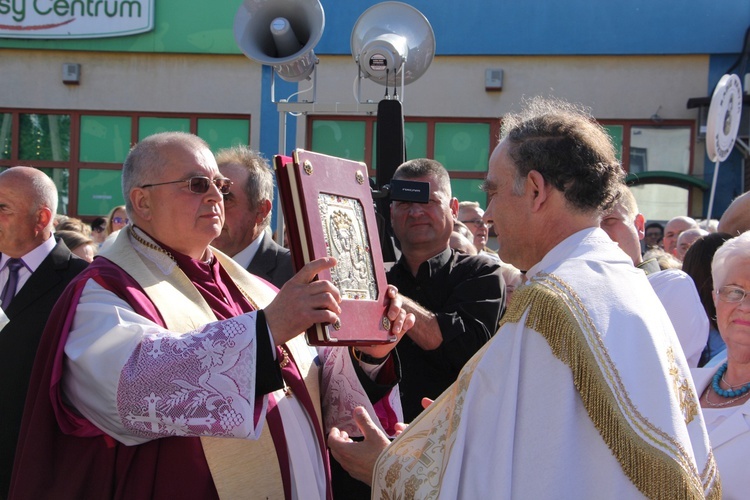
(241, 220)
(19, 221)
(672, 232)
(472, 217)
(179, 218)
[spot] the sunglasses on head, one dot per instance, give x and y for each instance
(199, 184)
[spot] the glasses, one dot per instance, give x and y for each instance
(731, 294)
(119, 220)
(477, 222)
(199, 184)
(98, 229)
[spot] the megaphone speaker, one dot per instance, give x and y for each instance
(281, 34)
(392, 38)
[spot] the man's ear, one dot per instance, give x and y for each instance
(140, 200)
(640, 225)
(43, 218)
(537, 188)
(454, 207)
(264, 208)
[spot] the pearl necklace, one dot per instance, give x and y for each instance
(732, 393)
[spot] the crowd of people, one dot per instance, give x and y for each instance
(589, 353)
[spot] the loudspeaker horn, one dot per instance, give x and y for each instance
(390, 39)
(281, 34)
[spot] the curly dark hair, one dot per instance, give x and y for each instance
(568, 148)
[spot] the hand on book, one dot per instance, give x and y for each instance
(401, 322)
(302, 302)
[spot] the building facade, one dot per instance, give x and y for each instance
(74, 106)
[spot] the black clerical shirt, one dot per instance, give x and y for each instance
(466, 293)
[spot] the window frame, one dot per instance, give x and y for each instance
(74, 165)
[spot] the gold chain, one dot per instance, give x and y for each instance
(150, 245)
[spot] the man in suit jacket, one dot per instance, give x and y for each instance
(28, 203)
(248, 214)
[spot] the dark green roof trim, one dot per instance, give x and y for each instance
(664, 177)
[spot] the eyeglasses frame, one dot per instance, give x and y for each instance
(189, 181)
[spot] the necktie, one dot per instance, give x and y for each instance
(10, 287)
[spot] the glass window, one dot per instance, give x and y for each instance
(463, 146)
(6, 127)
(105, 139)
(224, 133)
(60, 176)
(660, 148)
(152, 125)
(44, 137)
(660, 201)
(415, 138)
(468, 190)
(615, 133)
(343, 139)
(99, 191)
(415, 141)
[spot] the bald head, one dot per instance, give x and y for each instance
(673, 229)
(686, 240)
(28, 202)
(736, 218)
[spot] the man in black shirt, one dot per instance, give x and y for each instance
(457, 299)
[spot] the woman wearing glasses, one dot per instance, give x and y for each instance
(725, 390)
(116, 220)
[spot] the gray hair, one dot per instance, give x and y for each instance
(734, 249)
(259, 185)
(568, 148)
(424, 167)
(146, 160)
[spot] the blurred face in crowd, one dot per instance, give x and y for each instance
(119, 220)
(673, 230)
(625, 230)
(240, 218)
(652, 237)
(472, 217)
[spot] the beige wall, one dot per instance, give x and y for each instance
(133, 82)
(615, 87)
(624, 87)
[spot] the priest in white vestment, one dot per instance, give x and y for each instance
(584, 391)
